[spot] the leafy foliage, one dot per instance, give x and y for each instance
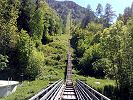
(37, 23)
(117, 44)
(87, 48)
(26, 10)
(106, 53)
(32, 42)
(24, 30)
(3, 62)
(8, 16)
(36, 62)
(54, 58)
(90, 16)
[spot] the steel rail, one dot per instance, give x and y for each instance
(45, 92)
(92, 92)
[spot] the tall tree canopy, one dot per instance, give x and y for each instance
(99, 10)
(108, 15)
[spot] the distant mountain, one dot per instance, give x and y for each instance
(62, 8)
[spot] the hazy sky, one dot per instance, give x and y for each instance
(117, 5)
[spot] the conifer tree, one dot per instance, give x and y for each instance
(99, 10)
(108, 16)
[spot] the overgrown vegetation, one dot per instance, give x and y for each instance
(25, 27)
(106, 53)
(32, 44)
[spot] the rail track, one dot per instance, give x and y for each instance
(66, 90)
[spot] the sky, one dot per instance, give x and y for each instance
(117, 5)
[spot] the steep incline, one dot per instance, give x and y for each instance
(62, 8)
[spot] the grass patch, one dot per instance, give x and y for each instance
(27, 90)
(105, 86)
(91, 81)
(55, 56)
(51, 73)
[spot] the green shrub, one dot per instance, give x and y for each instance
(35, 65)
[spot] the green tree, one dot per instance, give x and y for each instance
(30, 60)
(87, 48)
(89, 17)
(127, 14)
(99, 14)
(99, 10)
(37, 22)
(3, 62)
(8, 32)
(36, 62)
(116, 43)
(90, 55)
(103, 66)
(108, 15)
(8, 27)
(24, 49)
(26, 11)
(44, 23)
(94, 27)
(111, 45)
(126, 73)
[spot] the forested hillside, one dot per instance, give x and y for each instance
(25, 27)
(77, 12)
(82, 15)
(34, 42)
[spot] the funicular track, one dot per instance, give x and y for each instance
(69, 91)
(66, 90)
